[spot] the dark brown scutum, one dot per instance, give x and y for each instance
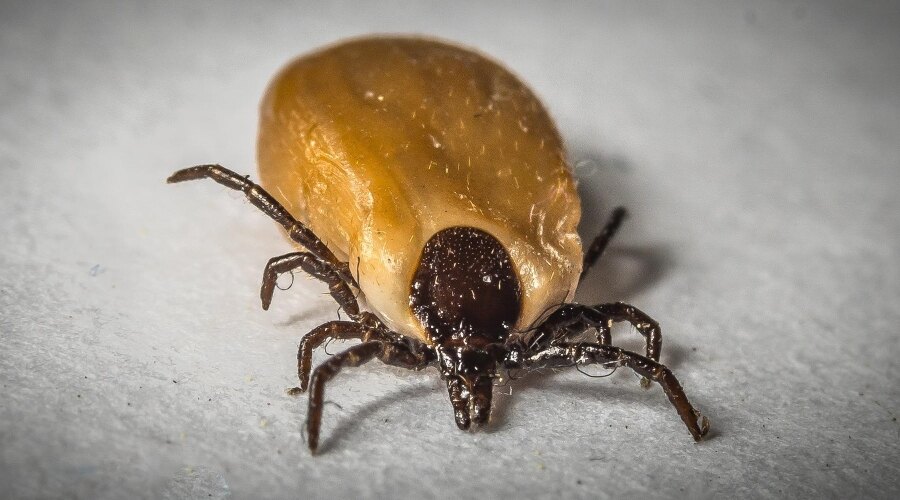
(465, 287)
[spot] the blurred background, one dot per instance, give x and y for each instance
(755, 144)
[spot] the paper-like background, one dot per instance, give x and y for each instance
(757, 145)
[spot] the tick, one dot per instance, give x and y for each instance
(428, 183)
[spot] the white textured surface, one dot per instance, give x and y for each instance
(757, 147)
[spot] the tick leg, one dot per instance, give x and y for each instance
(572, 319)
(393, 353)
(314, 267)
(569, 320)
(265, 202)
(354, 356)
(602, 240)
(575, 318)
(405, 352)
(645, 325)
(580, 353)
(342, 330)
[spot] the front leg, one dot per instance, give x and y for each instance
(354, 356)
(345, 330)
(569, 354)
(392, 353)
(366, 330)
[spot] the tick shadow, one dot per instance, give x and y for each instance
(307, 316)
(652, 400)
(502, 411)
(595, 385)
(625, 270)
(349, 420)
(540, 380)
(313, 313)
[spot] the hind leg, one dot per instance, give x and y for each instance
(562, 355)
(600, 243)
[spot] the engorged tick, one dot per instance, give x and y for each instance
(451, 197)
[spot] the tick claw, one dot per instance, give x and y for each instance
(702, 426)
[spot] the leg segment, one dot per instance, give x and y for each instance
(405, 352)
(354, 356)
(578, 353)
(602, 240)
(265, 202)
(645, 325)
(392, 353)
(344, 330)
(576, 318)
(314, 267)
(366, 330)
(573, 319)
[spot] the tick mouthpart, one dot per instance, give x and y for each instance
(468, 362)
(480, 401)
(471, 400)
(469, 373)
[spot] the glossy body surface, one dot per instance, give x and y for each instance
(378, 144)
